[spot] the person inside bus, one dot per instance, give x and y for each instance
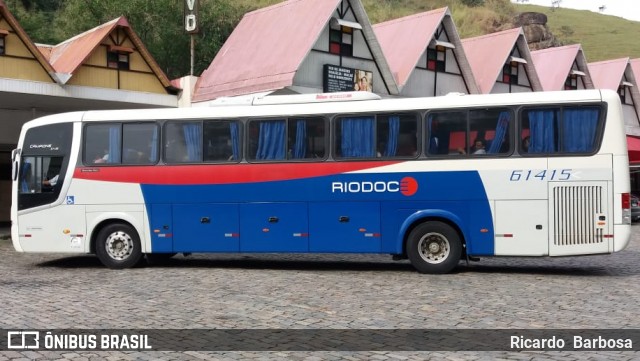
(479, 147)
(102, 158)
(526, 141)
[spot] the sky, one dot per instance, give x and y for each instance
(628, 9)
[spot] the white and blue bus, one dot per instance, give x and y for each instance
(435, 180)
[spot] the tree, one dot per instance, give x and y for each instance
(158, 23)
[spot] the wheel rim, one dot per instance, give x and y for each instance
(119, 245)
(434, 248)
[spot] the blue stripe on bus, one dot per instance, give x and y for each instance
(352, 212)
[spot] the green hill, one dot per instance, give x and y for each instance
(602, 36)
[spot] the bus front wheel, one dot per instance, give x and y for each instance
(434, 247)
(118, 246)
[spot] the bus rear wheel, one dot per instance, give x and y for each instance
(434, 247)
(118, 246)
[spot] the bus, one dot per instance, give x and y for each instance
(435, 180)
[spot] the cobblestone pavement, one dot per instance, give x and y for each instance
(48, 291)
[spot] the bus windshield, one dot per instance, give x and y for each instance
(45, 157)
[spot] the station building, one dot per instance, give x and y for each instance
(501, 62)
(425, 54)
(107, 67)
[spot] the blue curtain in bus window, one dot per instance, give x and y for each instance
(25, 171)
(300, 148)
(193, 140)
(114, 144)
(235, 140)
(357, 137)
(392, 141)
(579, 127)
(502, 127)
(542, 127)
(154, 146)
(271, 140)
(433, 140)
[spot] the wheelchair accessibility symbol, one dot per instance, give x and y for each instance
(71, 200)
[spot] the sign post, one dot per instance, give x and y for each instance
(191, 24)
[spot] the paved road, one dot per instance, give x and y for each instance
(318, 292)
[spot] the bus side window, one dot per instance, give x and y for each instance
(222, 141)
(540, 126)
(396, 135)
(267, 139)
(103, 143)
(183, 142)
(140, 143)
(306, 138)
(447, 133)
(490, 130)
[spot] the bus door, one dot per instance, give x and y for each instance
(40, 181)
(580, 218)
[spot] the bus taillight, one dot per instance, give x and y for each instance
(626, 201)
(626, 208)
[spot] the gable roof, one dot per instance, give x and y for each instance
(268, 46)
(487, 55)
(69, 55)
(9, 18)
(635, 66)
(554, 66)
(404, 40)
(608, 74)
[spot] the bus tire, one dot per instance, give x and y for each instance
(434, 247)
(118, 246)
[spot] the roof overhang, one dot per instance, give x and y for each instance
(444, 44)
(342, 22)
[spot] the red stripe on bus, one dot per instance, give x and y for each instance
(220, 174)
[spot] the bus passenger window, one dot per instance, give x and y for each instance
(103, 143)
(306, 138)
(540, 126)
(222, 141)
(446, 133)
(568, 129)
(183, 142)
(140, 143)
(355, 137)
(267, 139)
(396, 135)
(490, 130)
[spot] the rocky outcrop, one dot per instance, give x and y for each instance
(536, 31)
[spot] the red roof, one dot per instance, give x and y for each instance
(268, 46)
(635, 65)
(608, 74)
(554, 65)
(487, 55)
(265, 49)
(404, 40)
(67, 56)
